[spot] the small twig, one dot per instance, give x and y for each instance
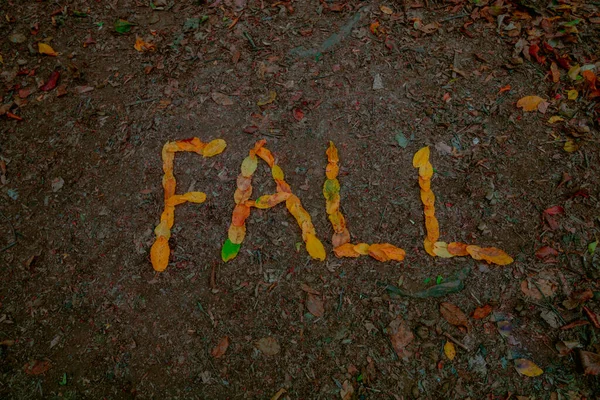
(12, 228)
(453, 17)
(141, 101)
(247, 36)
(458, 343)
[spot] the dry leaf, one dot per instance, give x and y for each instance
(314, 304)
(482, 312)
(220, 348)
(454, 315)
(571, 146)
(589, 362)
(221, 99)
(530, 103)
(43, 48)
(347, 391)
(386, 10)
(36, 367)
(527, 368)
(346, 250)
(554, 119)
(450, 350)
(268, 346)
(315, 247)
(271, 98)
(159, 254)
(386, 252)
(489, 254)
(421, 157)
(400, 336)
(142, 46)
(362, 248)
(555, 72)
(441, 250)
(530, 289)
(458, 249)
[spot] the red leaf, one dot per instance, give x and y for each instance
(533, 51)
(551, 222)
(51, 84)
(554, 210)
(563, 61)
(220, 348)
(592, 317)
(482, 312)
(546, 251)
(298, 114)
(250, 129)
(13, 116)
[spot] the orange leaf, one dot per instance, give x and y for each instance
(169, 184)
(421, 157)
(332, 153)
(332, 170)
(168, 215)
(142, 46)
(424, 184)
(240, 213)
(429, 247)
(340, 238)
(489, 254)
(243, 182)
(159, 254)
(427, 197)
(36, 367)
(482, 312)
(282, 186)
(530, 103)
(458, 249)
(346, 250)
(454, 315)
(362, 248)
(433, 229)
(241, 196)
(271, 200)
(386, 251)
(220, 348)
(429, 211)
(266, 155)
(43, 48)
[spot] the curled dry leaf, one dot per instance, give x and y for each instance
(268, 346)
(143, 46)
(37, 367)
(490, 254)
(527, 367)
(454, 315)
(314, 304)
(482, 312)
(346, 250)
(220, 348)
(589, 362)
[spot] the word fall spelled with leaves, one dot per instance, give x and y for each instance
(160, 251)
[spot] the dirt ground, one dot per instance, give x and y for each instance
(84, 315)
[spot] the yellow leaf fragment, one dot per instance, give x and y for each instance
(433, 229)
(332, 153)
(554, 119)
(572, 94)
(266, 155)
(271, 98)
(490, 254)
(346, 250)
(214, 147)
(362, 248)
(529, 103)
(450, 350)
(421, 157)
(159, 254)
(570, 146)
(429, 246)
(574, 72)
(427, 198)
(315, 247)
(527, 367)
(441, 250)
(43, 48)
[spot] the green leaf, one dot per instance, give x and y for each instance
(229, 250)
(122, 26)
(331, 187)
(439, 279)
(63, 381)
(402, 140)
(79, 14)
(592, 247)
(572, 23)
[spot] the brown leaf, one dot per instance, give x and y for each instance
(454, 315)
(530, 288)
(36, 367)
(589, 362)
(221, 99)
(482, 312)
(400, 336)
(220, 348)
(308, 289)
(592, 317)
(268, 346)
(314, 304)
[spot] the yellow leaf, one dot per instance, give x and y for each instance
(441, 250)
(424, 184)
(386, 10)
(338, 222)
(346, 250)
(249, 166)
(572, 94)
(489, 254)
(163, 229)
(421, 157)
(429, 247)
(268, 201)
(386, 251)
(214, 147)
(433, 229)
(43, 48)
(429, 211)
(168, 215)
(159, 254)
(195, 197)
(315, 247)
(527, 368)
(426, 171)
(554, 119)
(268, 100)
(530, 103)
(277, 172)
(574, 72)
(427, 197)
(450, 350)
(237, 233)
(571, 146)
(362, 248)
(332, 170)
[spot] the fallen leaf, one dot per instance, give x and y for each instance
(567, 346)
(572, 94)
(385, 252)
(268, 346)
(458, 249)
(36, 367)
(441, 250)
(450, 350)
(489, 254)
(482, 312)
(43, 48)
(347, 391)
(554, 210)
(298, 114)
(143, 46)
(545, 252)
(571, 146)
(268, 100)
(421, 157)
(122, 26)
(221, 99)
(530, 103)
(314, 304)
(555, 72)
(554, 119)
(386, 10)
(454, 315)
(529, 287)
(220, 348)
(346, 250)
(51, 84)
(159, 253)
(589, 362)
(527, 367)
(400, 336)
(315, 247)
(592, 317)
(574, 72)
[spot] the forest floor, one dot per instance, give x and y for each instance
(83, 118)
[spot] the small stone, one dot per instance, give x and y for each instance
(377, 82)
